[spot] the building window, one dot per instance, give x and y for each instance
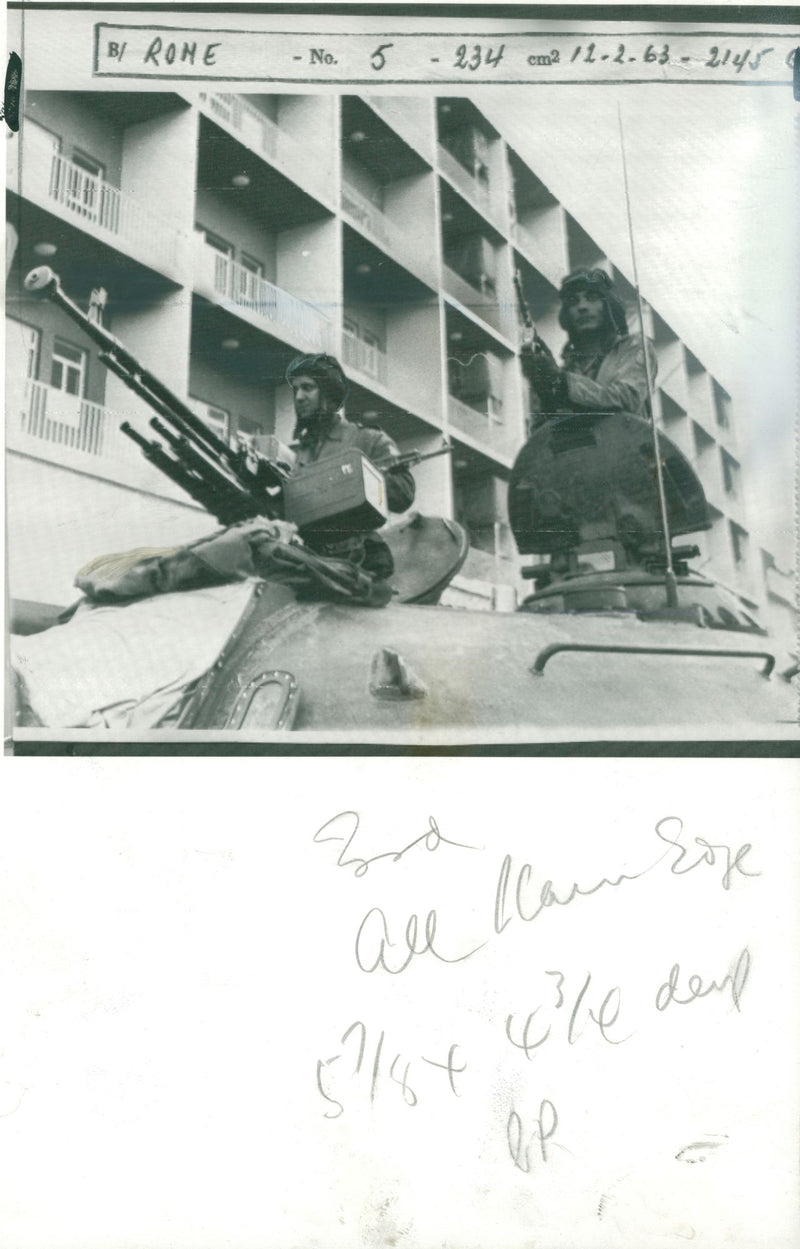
(216, 241)
(84, 175)
(68, 368)
(722, 403)
(219, 419)
(251, 265)
(371, 352)
(249, 276)
(88, 163)
(730, 474)
(28, 344)
(738, 544)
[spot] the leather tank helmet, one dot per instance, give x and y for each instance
(326, 372)
(597, 282)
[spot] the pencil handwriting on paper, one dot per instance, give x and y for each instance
(699, 1151)
(344, 826)
(522, 1136)
(368, 1067)
(528, 902)
(530, 1034)
(695, 987)
(373, 942)
(733, 862)
(555, 1016)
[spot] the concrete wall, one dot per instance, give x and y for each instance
(312, 121)
(243, 400)
(159, 338)
(71, 117)
(308, 265)
(409, 201)
(57, 520)
(368, 318)
(362, 179)
(219, 211)
(412, 118)
(413, 341)
(164, 186)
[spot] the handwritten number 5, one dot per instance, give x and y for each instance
(334, 1101)
(377, 58)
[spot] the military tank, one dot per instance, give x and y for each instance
(592, 651)
(619, 637)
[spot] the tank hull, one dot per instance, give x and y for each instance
(416, 673)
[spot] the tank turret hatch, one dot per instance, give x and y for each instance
(589, 480)
(584, 492)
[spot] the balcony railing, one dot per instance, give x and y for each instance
(487, 428)
(476, 191)
(462, 176)
(390, 236)
(481, 300)
(366, 357)
(235, 111)
(76, 434)
(58, 184)
(48, 415)
(264, 302)
(258, 132)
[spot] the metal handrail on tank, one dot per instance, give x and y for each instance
(538, 666)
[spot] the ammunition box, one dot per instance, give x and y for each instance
(339, 496)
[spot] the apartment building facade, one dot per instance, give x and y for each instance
(225, 233)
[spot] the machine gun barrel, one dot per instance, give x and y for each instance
(226, 497)
(410, 459)
(170, 467)
(214, 474)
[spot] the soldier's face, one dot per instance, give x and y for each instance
(307, 396)
(586, 311)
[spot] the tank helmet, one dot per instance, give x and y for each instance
(599, 283)
(326, 371)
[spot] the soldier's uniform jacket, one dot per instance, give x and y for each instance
(610, 381)
(377, 446)
(337, 435)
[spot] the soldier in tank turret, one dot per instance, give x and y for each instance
(604, 364)
(319, 389)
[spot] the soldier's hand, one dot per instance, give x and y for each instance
(285, 531)
(540, 366)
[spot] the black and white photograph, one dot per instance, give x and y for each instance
(400, 380)
(402, 397)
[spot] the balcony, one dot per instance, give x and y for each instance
(260, 302)
(256, 131)
(477, 194)
(544, 246)
(409, 117)
(481, 301)
(377, 226)
(488, 431)
(48, 179)
(73, 433)
(365, 357)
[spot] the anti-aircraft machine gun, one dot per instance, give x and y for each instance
(234, 483)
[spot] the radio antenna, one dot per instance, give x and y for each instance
(670, 584)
